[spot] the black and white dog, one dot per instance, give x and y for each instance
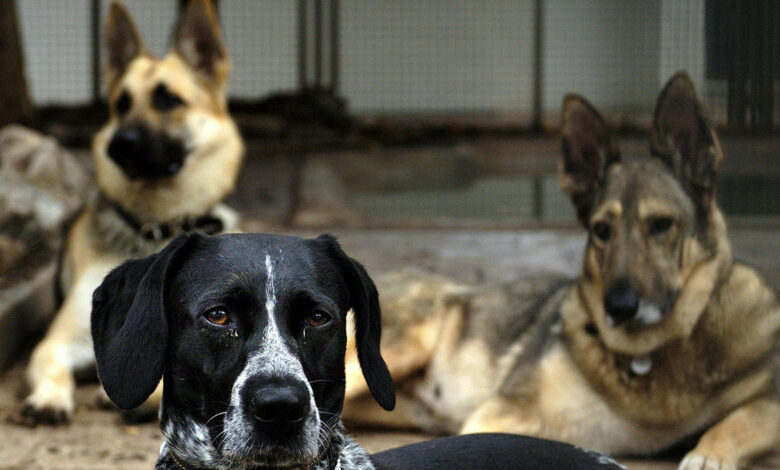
(249, 333)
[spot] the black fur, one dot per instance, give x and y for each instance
(364, 299)
(130, 328)
(493, 451)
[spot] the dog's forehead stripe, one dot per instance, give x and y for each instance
(270, 289)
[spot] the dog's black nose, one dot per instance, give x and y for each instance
(141, 153)
(280, 407)
(621, 302)
(126, 144)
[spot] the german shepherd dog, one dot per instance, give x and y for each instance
(662, 338)
(168, 155)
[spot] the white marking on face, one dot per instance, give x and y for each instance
(271, 359)
(270, 292)
(649, 313)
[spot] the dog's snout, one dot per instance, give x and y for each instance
(279, 407)
(124, 146)
(141, 153)
(621, 301)
(127, 137)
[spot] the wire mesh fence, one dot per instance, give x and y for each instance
(464, 68)
(434, 56)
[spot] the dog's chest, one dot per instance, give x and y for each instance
(670, 386)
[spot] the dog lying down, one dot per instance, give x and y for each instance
(249, 333)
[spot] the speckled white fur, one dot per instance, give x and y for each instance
(272, 359)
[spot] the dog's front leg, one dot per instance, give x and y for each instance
(66, 347)
(749, 431)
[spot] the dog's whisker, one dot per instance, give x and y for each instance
(326, 381)
(215, 416)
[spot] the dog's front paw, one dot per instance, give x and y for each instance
(699, 461)
(47, 405)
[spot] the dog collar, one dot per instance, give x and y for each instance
(641, 365)
(207, 224)
(176, 461)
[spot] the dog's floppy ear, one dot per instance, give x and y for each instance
(364, 301)
(198, 41)
(684, 138)
(123, 44)
(129, 326)
(588, 150)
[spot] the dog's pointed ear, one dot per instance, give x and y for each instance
(683, 137)
(197, 39)
(123, 44)
(364, 301)
(130, 328)
(588, 151)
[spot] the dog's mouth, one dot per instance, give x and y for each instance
(260, 455)
(628, 307)
(247, 447)
(648, 313)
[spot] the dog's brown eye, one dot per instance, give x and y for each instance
(660, 225)
(164, 100)
(218, 317)
(122, 104)
(602, 230)
(317, 318)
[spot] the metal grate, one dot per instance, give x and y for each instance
(56, 42)
(438, 55)
(445, 62)
(446, 57)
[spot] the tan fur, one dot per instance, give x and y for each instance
(209, 172)
(100, 240)
(705, 360)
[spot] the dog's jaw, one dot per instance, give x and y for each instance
(343, 453)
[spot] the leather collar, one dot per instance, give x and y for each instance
(156, 232)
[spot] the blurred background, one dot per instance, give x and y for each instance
(436, 112)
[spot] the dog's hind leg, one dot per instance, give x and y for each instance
(66, 348)
(749, 431)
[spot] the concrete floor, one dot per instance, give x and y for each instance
(96, 440)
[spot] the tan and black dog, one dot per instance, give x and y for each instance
(168, 155)
(661, 339)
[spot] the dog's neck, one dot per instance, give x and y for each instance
(122, 232)
(159, 231)
(187, 447)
